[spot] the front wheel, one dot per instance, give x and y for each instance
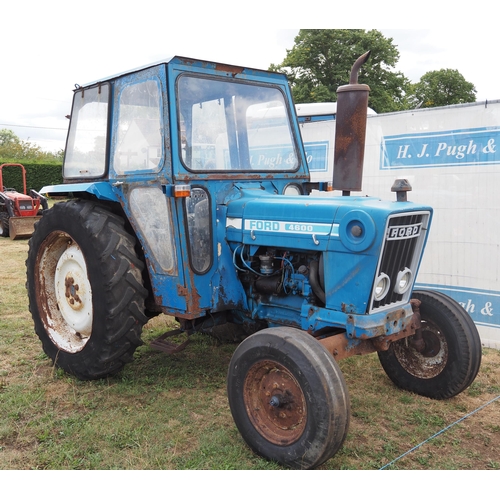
(446, 358)
(288, 397)
(4, 225)
(85, 289)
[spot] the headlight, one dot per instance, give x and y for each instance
(292, 190)
(382, 285)
(403, 281)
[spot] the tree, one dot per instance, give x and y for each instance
(442, 88)
(13, 149)
(8, 138)
(321, 60)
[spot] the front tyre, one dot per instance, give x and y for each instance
(447, 358)
(85, 289)
(288, 397)
(4, 225)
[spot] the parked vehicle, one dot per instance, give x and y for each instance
(189, 197)
(19, 211)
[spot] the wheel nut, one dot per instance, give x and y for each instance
(275, 401)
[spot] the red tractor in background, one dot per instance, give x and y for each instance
(19, 211)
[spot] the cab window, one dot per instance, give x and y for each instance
(199, 230)
(139, 137)
(228, 125)
(87, 138)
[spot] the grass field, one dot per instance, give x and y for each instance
(171, 411)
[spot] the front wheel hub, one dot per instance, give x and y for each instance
(427, 357)
(275, 402)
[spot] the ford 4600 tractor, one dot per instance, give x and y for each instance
(189, 195)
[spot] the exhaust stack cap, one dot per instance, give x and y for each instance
(401, 188)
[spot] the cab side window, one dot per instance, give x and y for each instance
(139, 142)
(199, 230)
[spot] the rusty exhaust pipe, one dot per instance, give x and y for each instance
(350, 132)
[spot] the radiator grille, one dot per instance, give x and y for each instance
(402, 249)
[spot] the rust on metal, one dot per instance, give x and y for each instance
(193, 299)
(427, 357)
(22, 227)
(353, 78)
(341, 347)
(161, 344)
(425, 354)
(71, 292)
(401, 187)
(226, 68)
(234, 177)
(392, 319)
(48, 301)
(275, 403)
(350, 132)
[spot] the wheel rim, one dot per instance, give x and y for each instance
(64, 293)
(429, 360)
(275, 402)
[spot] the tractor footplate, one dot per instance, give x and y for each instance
(163, 345)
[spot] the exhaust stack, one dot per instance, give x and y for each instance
(350, 132)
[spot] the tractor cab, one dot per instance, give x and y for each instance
(179, 140)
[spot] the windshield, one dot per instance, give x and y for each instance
(228, 125)
(86, 146)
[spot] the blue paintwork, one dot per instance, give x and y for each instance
(249, 217)
(349, 280)
(101, 190)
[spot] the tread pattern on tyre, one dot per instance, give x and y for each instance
(116, 277)
(305, 357)
(472, 341)
(464, 350)
(4, 224)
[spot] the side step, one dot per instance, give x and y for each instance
(160, 344)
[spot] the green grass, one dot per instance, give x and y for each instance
(171, 411)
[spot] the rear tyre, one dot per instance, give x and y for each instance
(449, 358)
(288, 397)
(85, 289)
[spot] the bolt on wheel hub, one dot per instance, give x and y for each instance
(275, 402)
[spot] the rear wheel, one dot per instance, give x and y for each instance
(447, 358)
(288, 397)
(85, 289)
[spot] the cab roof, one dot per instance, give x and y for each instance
(187, 61)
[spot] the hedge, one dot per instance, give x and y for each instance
(38, 175)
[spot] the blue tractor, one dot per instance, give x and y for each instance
(189, 195)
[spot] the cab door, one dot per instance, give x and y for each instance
(140, 173)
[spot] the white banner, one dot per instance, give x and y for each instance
(451, 157)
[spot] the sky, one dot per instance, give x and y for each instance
(50, 46)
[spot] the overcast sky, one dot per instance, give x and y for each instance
(49, 46)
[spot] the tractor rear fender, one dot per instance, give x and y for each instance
(101, 190)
